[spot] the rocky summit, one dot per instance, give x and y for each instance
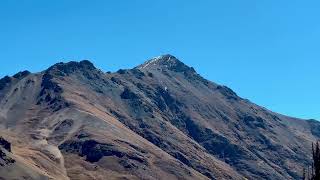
(159, 120)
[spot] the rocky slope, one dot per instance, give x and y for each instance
(160, 120)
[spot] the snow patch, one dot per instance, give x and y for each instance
(156, 60)
(148, 63)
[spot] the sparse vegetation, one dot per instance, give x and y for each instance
(313, 172)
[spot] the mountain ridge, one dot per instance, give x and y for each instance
(75, 113)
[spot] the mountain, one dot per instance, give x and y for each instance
(159, 120)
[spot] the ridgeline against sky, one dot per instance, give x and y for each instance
(267, 51)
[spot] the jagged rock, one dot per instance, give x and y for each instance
(137, 73)
(121, 71)
(21, 74)
(150, 74)
(4, 81)
(94, 151)
(5, 144)
(227, 92)
(128, 94)
(5, 160)
(167, 62)
(49, 84)
(62, 69)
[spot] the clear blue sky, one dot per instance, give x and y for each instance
(265, 50)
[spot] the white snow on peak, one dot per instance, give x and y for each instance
(154, 61)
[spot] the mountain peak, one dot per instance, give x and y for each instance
(72, 66)
(166, 61)
(163, 60)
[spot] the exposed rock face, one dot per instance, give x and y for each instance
(4, 81)
(5, 144)
(127, 94)
(160, 120)
(21, 74)
(166, 62)
(93, 151)
(4, 159)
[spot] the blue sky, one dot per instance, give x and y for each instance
(265, 50)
